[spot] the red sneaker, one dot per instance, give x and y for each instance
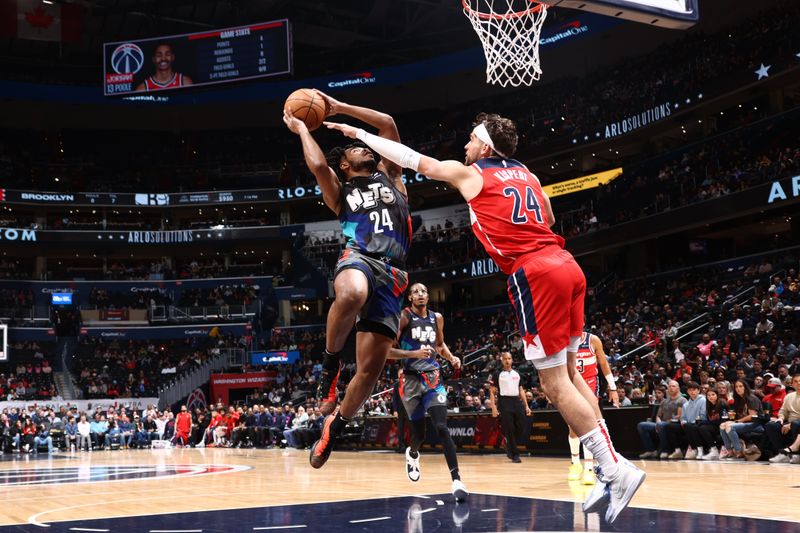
(322, 449)
(327, 395)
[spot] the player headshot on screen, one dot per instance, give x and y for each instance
(164, 77)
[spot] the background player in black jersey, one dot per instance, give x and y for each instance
(370, 201)
(421, 339)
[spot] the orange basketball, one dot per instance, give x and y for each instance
(307, 106)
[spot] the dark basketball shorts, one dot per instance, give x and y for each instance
(420, 391)
(381, 312)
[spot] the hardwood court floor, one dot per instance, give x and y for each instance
(83, 486)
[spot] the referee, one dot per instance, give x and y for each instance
(511, 405)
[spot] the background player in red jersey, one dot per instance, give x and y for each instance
(511, 216)
(589, 356)
(164, 77)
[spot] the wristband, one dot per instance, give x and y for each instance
(612, 386)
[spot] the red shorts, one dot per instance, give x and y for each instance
(594, 385)
(547, 292)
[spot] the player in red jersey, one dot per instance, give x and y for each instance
(589, 356)
(511, 216)
(164, 77)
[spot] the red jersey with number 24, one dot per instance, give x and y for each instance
(509, 216)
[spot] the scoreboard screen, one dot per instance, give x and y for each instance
(205, 58)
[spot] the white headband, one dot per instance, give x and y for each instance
(482, 134)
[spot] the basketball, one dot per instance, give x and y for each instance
(307, 106)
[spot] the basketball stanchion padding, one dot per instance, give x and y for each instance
(509, 31)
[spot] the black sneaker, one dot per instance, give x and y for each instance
(327, 395)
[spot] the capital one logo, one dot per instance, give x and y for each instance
(127, 58)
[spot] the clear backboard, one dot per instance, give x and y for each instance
(677, 14)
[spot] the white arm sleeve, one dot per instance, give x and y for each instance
(393, 151)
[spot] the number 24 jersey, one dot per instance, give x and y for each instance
(509, 215)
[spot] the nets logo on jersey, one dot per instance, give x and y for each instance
(367, 199)
(423, 335)
(127, 58)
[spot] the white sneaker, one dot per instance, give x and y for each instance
(412, 466)
(677, 454)
(459, 490)
(700, 452)
(691, 453)
(599, 495)
(712, 455)
(795, 460)
(780, 458)
(628, 481)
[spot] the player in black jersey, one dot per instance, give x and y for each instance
(421, 339)
(369, 198)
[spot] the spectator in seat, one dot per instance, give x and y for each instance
(299, 421)
(693, 412)
(161, 426)
(113, 434)
(258, 427)
(17, 434)
(705, 346)
(653, 433)
(6, 437)
(277, 424)
(126, 431)
(43, 437)
(141, 435)
(624, 401)
(743, 419)
(71, 433)
(150, 426)
(84, 433)
(775, 395)
(307, 436)
(786, 426)
(704, 436)
(28, 435)
(99, 426)
(169, 425)
(764, 329)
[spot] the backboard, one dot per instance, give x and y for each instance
(676, 14)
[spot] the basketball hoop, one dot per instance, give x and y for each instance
(509, 31)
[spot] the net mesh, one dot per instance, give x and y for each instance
(509, 31)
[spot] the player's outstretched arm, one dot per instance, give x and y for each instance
(385, 124)
(316, 162)
(457, 174)
(605, 368)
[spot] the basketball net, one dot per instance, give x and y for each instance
(509, 31)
